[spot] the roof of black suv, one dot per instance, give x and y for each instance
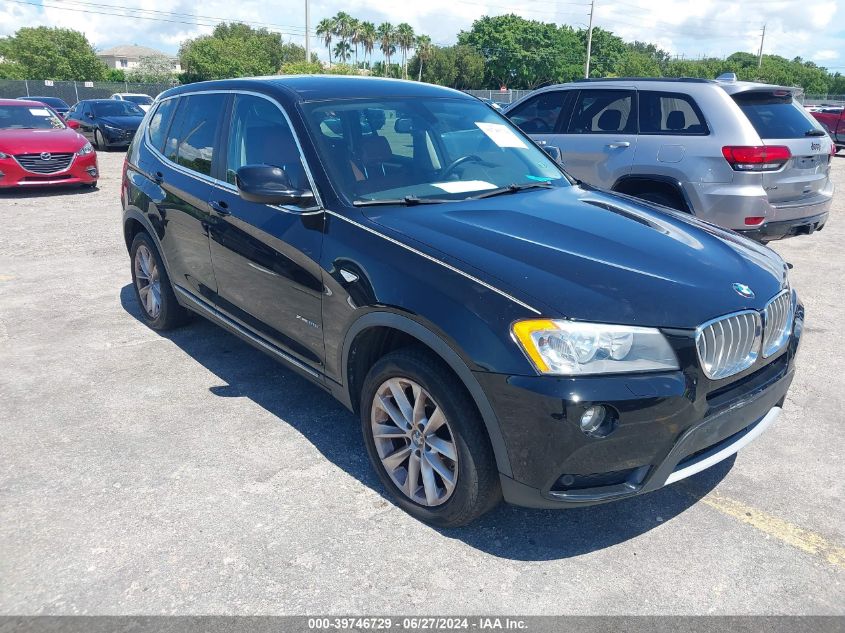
(318, 87)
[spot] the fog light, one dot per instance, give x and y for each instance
(92, 171)
(592, 419)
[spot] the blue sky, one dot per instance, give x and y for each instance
(811, 29)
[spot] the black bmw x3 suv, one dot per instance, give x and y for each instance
(502, 330)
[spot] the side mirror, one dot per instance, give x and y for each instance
(554, 153)
(72, 124)
(403, 126)
(266, 184)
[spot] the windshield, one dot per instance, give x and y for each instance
(420, 149)
(776, 116)
(116, 108)
(139, 99)
(54, 102)
(29, 117)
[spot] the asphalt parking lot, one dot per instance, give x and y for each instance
(191, 474)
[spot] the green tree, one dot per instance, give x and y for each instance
(301, 68)
(405, 40)
(521, 53)
(636, 64)
(606, 53)
(424, 49)
(325, 30)
(367, 37)
(51, 53)
(233, 50)
(457, 66)
(386, 37)
(152, 69)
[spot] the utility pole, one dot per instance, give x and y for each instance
(760, 56)
(589, 40)
(307, 32)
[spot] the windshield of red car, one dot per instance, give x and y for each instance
(25, 117)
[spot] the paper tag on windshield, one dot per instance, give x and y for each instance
(462, 186)
(39, 112)
(501, 135)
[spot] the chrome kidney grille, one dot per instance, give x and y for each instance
(777, 319)
(730, 344)
(44, 163)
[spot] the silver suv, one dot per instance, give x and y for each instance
(742, 155)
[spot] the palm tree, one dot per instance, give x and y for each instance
(355, 36)
(343, 51)
(325, 30)
(405, 40)
(343, 25)
(386, 35)
(424, 51)
(367, 38)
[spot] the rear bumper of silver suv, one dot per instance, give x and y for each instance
(787, 228)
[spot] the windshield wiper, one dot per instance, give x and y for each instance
(408, 201)
(815, 133)
(513, 188)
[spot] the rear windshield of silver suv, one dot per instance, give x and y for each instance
(776, 116)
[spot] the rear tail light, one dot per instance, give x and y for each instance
(756, 157)
(754, 220)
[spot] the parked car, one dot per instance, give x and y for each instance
(59, 105)
(141, 100)
(493, 104)
(107, 123)
(832, 119)
(500, 329)
(37, 148)
(743, 155)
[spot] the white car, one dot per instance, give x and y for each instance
(141, 100)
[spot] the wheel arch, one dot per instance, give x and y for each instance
(410, 331)
(632, 184)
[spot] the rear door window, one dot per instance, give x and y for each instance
(191, 139)
(540, 114)
(670, 113)
(774, 115)
(604, 112)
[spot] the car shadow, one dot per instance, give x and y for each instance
(23, 193)
(506, 532)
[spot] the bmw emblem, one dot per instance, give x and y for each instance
(743, 291)
(46, 156)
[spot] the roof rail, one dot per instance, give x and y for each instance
(692, 80)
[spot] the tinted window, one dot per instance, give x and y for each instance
(54, 102)
(603, 112)
(424, 148)
(160, 122)
(29, 117)
(539, 115)
(138, 99)
(670, 113)
(190, 141)
(116, 108)
(260, 135)
(775, 116)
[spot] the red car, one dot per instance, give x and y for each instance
(833, 120)
(37, 148)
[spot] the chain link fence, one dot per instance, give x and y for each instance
(499, 96)
(73, 91)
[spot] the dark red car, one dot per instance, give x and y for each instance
(37, 148)
(833, 120)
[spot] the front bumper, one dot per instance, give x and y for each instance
(670, 426)
(82, 170)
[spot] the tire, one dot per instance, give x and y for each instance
(158, 306)
(98, 142)
(441, 400)
(664, 199)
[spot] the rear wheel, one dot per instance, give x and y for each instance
(98, 141)
(426, 440)
(664, 199)
(159, 308)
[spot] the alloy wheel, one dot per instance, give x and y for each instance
(414, 442)
(147, 281)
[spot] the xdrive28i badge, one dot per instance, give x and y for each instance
(743, 291)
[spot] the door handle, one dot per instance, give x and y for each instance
(618, 144)
(158, 177)
(220, 207)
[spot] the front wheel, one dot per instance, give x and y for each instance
(98, 141)
(426, 440)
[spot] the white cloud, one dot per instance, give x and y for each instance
(688, 27)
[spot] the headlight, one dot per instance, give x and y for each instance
(2, 155)
(112, 128)
(86, 149)
(574, 348)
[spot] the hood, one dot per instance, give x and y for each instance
(595, 256)
(122, 122)
(37, 141)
